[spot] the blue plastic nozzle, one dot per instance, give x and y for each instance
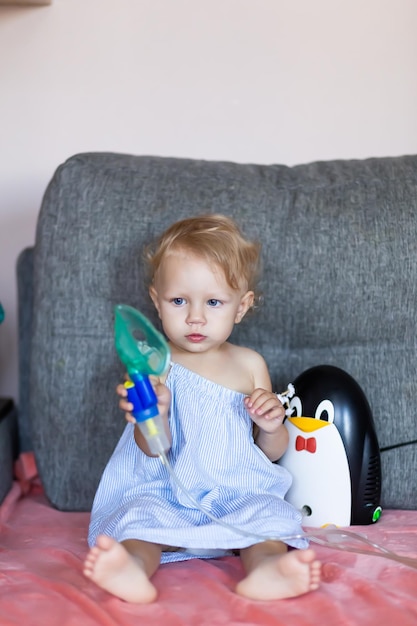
(141, 394)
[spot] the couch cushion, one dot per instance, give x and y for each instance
(338, 284)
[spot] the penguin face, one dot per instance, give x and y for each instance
(323, 414)
(327, 395)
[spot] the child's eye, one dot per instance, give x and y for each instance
(178, 301)
(213, 302)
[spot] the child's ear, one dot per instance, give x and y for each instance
(246, 303)
(154, 297)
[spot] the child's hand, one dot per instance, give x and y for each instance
(162, 393)
(268, 414)
(124, 404)
(265, 410)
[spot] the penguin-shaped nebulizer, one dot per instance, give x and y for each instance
(333, 453)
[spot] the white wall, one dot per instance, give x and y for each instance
(283, 81)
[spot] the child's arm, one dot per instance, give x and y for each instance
(164, 399)
(268, 414)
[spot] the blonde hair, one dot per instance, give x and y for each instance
(215, 238)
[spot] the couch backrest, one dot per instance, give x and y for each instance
(338, 282)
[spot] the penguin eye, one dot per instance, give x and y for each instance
(325, 411)
(295, 407)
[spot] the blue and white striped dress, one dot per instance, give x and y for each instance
(214, 456)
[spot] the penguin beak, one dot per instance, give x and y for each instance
(307, 424)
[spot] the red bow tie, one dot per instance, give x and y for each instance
(306, 444)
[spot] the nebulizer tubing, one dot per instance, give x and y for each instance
(329, 536)
(150, 355)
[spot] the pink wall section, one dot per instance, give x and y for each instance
(271, 81)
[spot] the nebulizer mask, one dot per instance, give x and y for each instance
(144, 352)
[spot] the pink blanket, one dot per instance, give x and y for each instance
(41, 580)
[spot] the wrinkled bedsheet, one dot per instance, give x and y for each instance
(41, 580)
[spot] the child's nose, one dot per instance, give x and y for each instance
(195, 315)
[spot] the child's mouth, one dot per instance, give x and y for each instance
(195, 338)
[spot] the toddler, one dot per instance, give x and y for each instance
(225, 426)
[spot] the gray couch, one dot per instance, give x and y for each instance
(339, 256)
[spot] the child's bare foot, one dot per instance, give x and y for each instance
(282, 576)
(112, 568)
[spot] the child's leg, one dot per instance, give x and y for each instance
(124, 569)
(273, 573)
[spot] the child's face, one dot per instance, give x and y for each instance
(197, 306)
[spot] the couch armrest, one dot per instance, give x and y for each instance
(25, 297)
